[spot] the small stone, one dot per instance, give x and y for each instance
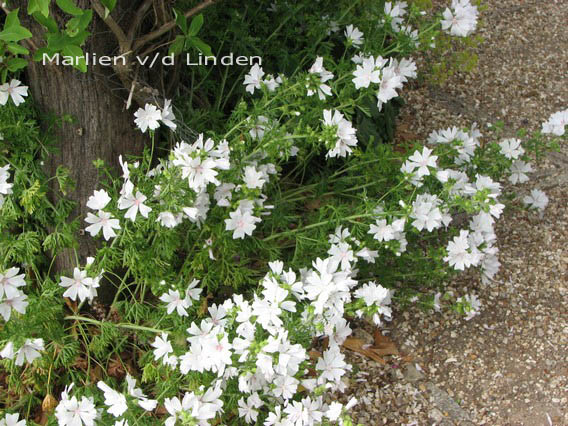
(436, 415)
(411, 374)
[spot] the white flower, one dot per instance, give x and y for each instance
(72, 412)
(426, 214)
(192, 292)
(396, 13)
(275, 418)
(342, 254)
(324, 75)
(98, 200)
(13, 90)
(253, 178)
(148, 118)
(199, 172)
(17, 303)
(366, 74)
(10, 281)
(162, 347)
(79, 286)
(8, 351)
(174, 301)
(367, 254)
(390, 82)
(5, 187)
(29, 351)
(518, 171)
(168, 219)
(257, 131)
(241, 223)
(102, 220)
(12, 420)
(253, 78)
(133, 203)
(556, 123)
(354, 35)
(459, 254)
(422, 161)
(223, 194)
(374, 294)
(143, 401)
(462, 21)
(381, 231)
(285, 387)
(511, 148)
(334, 411)
(331, 365)
(249, 410)
(536, 200)
(113, 399)
(405, 69)
(272, 83)
(345, 133)
(168, 116)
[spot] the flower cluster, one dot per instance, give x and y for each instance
(461, 19)
(390, 75)
(215, 328)
(150, 116)
(556, 124)
(80, 286)
(28, 352)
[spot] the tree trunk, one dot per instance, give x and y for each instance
(101, 128)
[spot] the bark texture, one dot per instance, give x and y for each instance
(101, 128)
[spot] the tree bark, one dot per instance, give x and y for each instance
(102, 127)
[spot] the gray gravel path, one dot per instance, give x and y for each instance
(509, 365)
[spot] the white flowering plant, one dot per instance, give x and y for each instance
(222, 258)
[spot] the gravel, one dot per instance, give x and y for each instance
(508, 365)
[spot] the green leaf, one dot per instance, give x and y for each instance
(38, 54)
(41, 6)
(200, 45)
(59, 41)
(77, 53)
(196, 24)
(181, 21)
(16, 49)
(85, 20)
(15, 64)
(79, 23)
(13, 31)
(68, 6)
(12, 19)
(47, 21)
(109, 5)
(177, 46)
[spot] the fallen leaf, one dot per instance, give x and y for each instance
(314, 354)
(116, 368)
(80, 363)
(161, 411)
(383, 344)
(358, 345)
(96, 373)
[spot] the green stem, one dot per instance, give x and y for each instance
(119, 325)
(315, 225)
